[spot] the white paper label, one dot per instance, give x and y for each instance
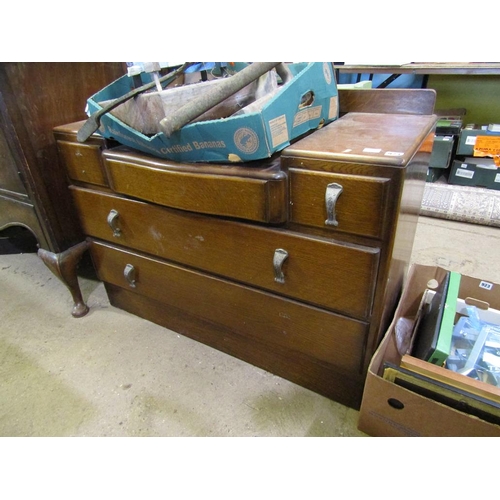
(301, 117)
(334, 107)
(470, 140)
(306, 115)
(393, 153)
(461, 172)
(279, 130)
(371, 150)
(497, 178)
(486, 285)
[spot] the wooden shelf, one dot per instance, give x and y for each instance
(424, 68)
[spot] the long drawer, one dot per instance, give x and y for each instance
(336, 276)
(248, 312)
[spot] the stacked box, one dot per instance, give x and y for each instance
(445, 144)
(474, 162)
(442, 151)
(469, 137)
(480, 172)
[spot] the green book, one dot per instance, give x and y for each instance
(433, 341)
(443, 346)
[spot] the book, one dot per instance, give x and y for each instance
(427, 333)
(450, 377)
(453, 397)
(433, 337)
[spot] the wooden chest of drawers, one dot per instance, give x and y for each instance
(293, 264)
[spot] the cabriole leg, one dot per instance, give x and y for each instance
(63, 265)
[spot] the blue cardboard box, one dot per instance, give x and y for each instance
(242, 138)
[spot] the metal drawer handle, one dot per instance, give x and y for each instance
(130, 274)
(113, 217)
(279, 258)
(332, 194)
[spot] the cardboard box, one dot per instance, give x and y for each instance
(481, 172)
(388, 409)
(470, 133)
(442, 150)
(434, 174)
(241, 138)
(451, 125)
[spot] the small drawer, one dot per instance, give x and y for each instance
(82, 162)
(251, 313)
(339, 277)
(256, 194)
(349, 203)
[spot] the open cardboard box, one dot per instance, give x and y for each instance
(307, 102)
(390, 410)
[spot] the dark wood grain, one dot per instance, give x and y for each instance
(191, 246)
(258, 197)
(401, 101)
(307, 201)
(326, 273)
(35, 98)
(328, 337)
(339, 385)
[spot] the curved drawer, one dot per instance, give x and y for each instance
(248, 312)
(337, 276)
(252, 193)
(349, 203)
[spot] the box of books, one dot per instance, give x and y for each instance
(437, 370)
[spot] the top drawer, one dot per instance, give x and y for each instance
(346, 176)
(82, 162)
(251, 193)
(348, 203)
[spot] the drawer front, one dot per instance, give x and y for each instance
(255, 199)
(248, 312)
(336, 276)
(341, 202)
(82, 162)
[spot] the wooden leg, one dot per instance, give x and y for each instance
(63, 265)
